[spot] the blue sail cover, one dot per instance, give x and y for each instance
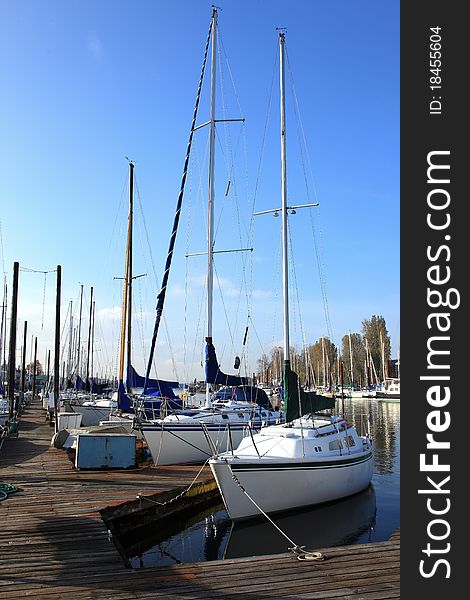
(245, 393)
(79, 383)
(214, 374)
(155, 387)
(124, 402)
(96, 388)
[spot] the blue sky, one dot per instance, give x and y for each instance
(86, 84)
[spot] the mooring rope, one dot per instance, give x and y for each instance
(140, 495)
(300, 551)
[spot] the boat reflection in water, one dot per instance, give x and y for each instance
(194, 537)
(333, 524)
(211, 535)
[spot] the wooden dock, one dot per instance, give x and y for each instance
(53, 543)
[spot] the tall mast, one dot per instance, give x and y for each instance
(166, 273)
(382, 345)
(79, 329)
(210, 202)
(87, 384)
(92, 342)
(129, 250)
(285, 281)
(351, 361)
(127, 281)
(69, 355)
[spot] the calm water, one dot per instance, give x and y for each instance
(369, 516)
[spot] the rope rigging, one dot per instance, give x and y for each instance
(230, 156)
(161, 295)
(155, 276)
(305, 158)
(45, 273)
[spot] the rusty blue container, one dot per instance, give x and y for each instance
(105, 451)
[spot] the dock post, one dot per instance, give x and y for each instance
(12, 348)
(57, 349)
(33, 390)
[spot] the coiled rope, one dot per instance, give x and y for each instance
(6, 489)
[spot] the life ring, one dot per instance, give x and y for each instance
(184, 396)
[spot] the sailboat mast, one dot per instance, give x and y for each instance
(87, 383)
(69, 355)
(92, 344)
(127, 279)
(79, 330)
(351, 361)
(382, 345)
(210, 202)
(285, 281)
(129, 269)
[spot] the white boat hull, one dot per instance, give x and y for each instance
(278, 485)
(179, 445)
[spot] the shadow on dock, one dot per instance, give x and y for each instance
(53, 542)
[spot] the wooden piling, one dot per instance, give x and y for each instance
(12, 347)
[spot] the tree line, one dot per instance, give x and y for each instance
(362, 359)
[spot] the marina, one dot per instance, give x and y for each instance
(216, 412)
(53, 523)
(370, 516)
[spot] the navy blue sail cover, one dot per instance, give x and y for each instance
(155, 387)
(245, 393)
(124, 402)
(213, 372)
(97, 388)
(79, 383)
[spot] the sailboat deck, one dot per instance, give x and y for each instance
(53, 542)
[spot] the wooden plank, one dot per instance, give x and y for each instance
(54, 543)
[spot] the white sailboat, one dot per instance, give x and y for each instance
(310, 459)
(390, 391)
(193, 436)
(94, 407)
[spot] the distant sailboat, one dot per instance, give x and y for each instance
(123, 402)
(390, 391)
(312, 458)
